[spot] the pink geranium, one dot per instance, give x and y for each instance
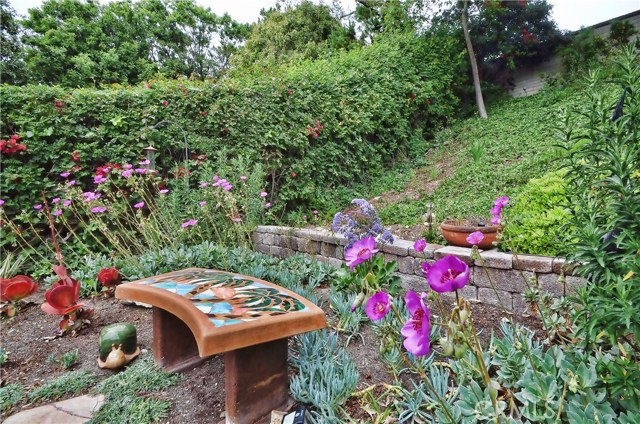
(377, 306)
(448, 274)
(416, 329)
(475, 238)
(361, 251)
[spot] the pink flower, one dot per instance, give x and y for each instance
(315, 212)
(165, 103)
(141, 170)
(203, 203)
(38, 207)
(189, 223)
(1, 202)
(475, 238)
(204, 184)
(65, 174)
(55, 200)
(57, 212)
(448, 274)
(216, 178)
(501, 201)
(263, 194)
(377, 306)
(126, 173)
(66, 203)
(425, 268)
(72, 182)
(416, 330)
(496, 210)
(127, 166)
(267, 205)
(99, 179)
(139, 205)
(420, 245)
(98, 209)
(361, 251)
(496, 220)
(144, 162)
(227, 187)
(164, 191)
(236, 219)
(243, 178)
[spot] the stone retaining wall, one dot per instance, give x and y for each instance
(507, 271)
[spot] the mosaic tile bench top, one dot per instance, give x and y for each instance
(220, 307)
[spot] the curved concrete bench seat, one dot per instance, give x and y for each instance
(201, 312)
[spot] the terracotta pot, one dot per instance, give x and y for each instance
(456, 234)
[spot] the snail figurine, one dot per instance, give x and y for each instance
(118, 345)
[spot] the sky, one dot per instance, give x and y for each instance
(568, 14)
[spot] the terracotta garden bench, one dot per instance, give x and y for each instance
(201, 312)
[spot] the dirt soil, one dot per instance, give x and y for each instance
(25, 339)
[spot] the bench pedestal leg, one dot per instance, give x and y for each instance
(174, 347)
(256, 381)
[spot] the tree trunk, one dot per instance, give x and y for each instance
(474, 64)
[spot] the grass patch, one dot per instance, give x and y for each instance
(68, 384)
(11, 395)
(129, 394)
(518, 143)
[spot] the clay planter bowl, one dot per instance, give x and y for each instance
(456, 233)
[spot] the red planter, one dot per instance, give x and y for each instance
(456, 233)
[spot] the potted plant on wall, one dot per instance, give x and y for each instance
(456, 231)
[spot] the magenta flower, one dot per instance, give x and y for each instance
(475, 238)
(66, 203)
(416, 330)
(126, 173)
(204, 184)
(57, 212)
(263, 194)
(139, 205)
(448, 274)
(164, 191)
(501, 201)
(315, 212)
(99, 179)
(55, 200)
(496, 220)
(425, 268)
(215, 178)
(141, 170)
(1, 202)
(127, 166)
(361, 251)
(144, 162)
(377, 306)
(420, 245)
(496, 210)
(72, 182)
(90, 196)
(243, 178)
(38, 207)
(267, 205)
(236, 219)
(204, 202)
(227, 187)
(189, 223)
(98, 209)
(65, 174)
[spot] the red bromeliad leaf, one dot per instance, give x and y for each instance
(16, 288)
(61, 299)
(60, 271)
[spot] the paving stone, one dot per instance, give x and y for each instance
(71, 411)
(573, 283)
(334, 262)
(494, 259)
(281, 252)
(461, 253)
(533, 263)
(519, 305)
(310, 246)
(267, 238)
(507, 280)
(490, 296)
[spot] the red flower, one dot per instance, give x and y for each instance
(293, 175)
(109, 277)
(12, 146)
(75, 156)
(16, 288)
(165, 103)
(62, 298)
(147, 85)
(203, 113)
(58, 104)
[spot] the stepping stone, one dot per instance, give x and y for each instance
(71, 411)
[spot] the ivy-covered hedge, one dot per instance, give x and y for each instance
(314, 126)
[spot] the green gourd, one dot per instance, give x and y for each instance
(121, 333)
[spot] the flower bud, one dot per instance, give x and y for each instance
(459, 349)
(447, 346)
(464, 314)
(357, 302)
(493, 386)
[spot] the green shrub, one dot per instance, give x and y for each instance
(313, 126)
(537, 219)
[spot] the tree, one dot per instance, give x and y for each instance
(378, 17)
(12, 67)
(305, 31)
(474, 64)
